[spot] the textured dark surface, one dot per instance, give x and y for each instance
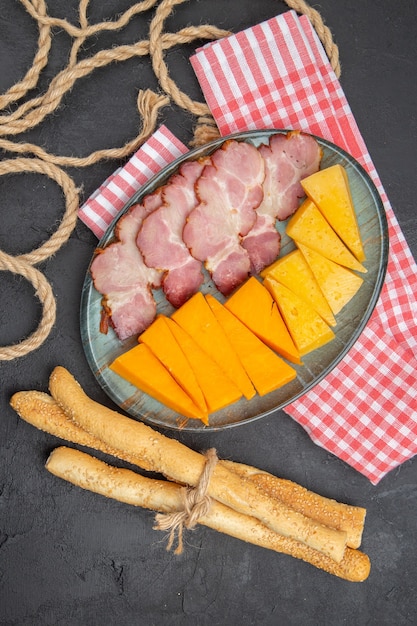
(68, 557)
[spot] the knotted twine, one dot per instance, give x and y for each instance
(34, 110)
(196, 504)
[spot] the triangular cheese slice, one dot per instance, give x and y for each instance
(196, 317)
(308, 226)
(140, 367)
(338, 283)
(219, 391)
(160, 340)
(265, 368)
(308, 330)
(255, 307)
(329, 189)
(293, 271)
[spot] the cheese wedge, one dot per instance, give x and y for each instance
(218, 390)
(337, 283)
(140, 367)
(198, 320)
(255, 307)
(329, 189)
(160, 340)
(293, 271)
(308, 330)
(265, 368)
(308, 226)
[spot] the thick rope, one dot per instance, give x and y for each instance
(20, 89)
(23, 264)
(148, 104)
(62, 234)
(33, 111)
(159, 66)
(79, 39)
(43, 291)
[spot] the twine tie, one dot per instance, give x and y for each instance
(196, 504)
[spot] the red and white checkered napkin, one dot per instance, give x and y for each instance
(277, 75)
(104, 204)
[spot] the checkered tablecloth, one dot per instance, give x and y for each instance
(276, 75)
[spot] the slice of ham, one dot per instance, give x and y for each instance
(121, 276)
(229, 190)
(262, 243)
(220, 211)
(288, 159)
(160, 236)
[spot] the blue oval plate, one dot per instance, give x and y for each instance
(101, 349)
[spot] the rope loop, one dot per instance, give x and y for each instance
(44, 292)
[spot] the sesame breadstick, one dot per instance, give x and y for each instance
(329, 512)
(43, 412)
(126, 486)
(185, 466)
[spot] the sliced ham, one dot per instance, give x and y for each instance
(262, 243)
(220, 211)
(121, 276)
(229, 190)
(160, 236)
(288, 159)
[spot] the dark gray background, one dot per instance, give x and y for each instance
(71, 557)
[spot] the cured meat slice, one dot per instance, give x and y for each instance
(288, 159)
(121, 276)
(263, 243)
(160, 236)
(229, 190)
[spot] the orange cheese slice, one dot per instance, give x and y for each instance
(255, 307)
(329, 189)
(198, 320)
(219, 391)
(308, 330)
(140, 367)
(308, 226)
(338, 283)
(265, 368)
(159, 338)
(293, 271)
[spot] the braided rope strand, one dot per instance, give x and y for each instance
(20, 89)
(44, 292)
